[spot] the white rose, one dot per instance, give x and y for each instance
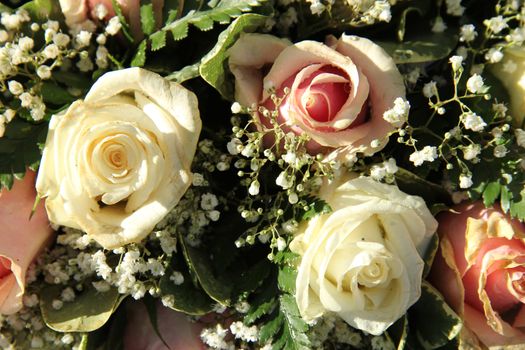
(116, 163)
(363, 259)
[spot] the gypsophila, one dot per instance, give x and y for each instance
(427, 154)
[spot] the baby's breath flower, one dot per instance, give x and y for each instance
(468, 33)
(496, 24)
(430, 89)
(465, 181)
(456, 62)
(113, 26)
(427, 154)
(475, 84)
(473, 122)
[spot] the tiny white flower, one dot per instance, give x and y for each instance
(496, 24)
(15, 87)
(113, 26)
(427, 154)
(281, 244)
(61, 39)
(468, 33)
(494, 55)
(236, 108)
(471, 151)
(500, 151)
(51, 51)
(509, 66)
(475, 84)
(26, 43)
(430, 89)
(456, 62)
(254, 188)
(83, 38)
(233, 146)
(4, 36)
(44, 72)
(465, 181)
(26, 99)
(473, 122)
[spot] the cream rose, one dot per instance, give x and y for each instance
(363, 259)
(511, 72)
(338, 92)
(117, 162)
(22, 237)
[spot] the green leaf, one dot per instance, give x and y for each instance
(204, 23)
(72, 80)
(398, 332)
(57, 95)
(517, 208)
(186, 297)
(223, 13)
(216, 286)
(214, 68)
(186, 73)
(122, 19)
(294, 330)
(411, 183)
(140, 56)
(445, 324)
(505, 199)
(180, 30)
(430, 253)
(158, 40)
(260, 309)
(286, 279)
(491, 193)
(147, 19)
(270, 328)
(90, 310)
(318, 206)
(43, 9)
(423, 48)
(250, 279)
(403, 21)
(19, 149)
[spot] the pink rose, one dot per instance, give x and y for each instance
(176, 330)
(78, 11)
(480, 270)
(21, 239)
(338, 92)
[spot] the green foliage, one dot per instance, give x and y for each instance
(90, 310)
(147, 19)
(41, 10)
(19, 149)
(214, 66)
(316, 207)
(274, 309)
(445, 324)
(413, 184)
(222, 13)
(422, 48)
(187, 297)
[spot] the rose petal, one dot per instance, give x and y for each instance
(21, 238)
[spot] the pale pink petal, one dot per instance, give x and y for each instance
(21, 238)
(75, 11)
(176, 329)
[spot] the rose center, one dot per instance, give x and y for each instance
(323, 101)
(5, 267)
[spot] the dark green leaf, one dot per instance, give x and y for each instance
(270, 328)
(258, 310)
(90, 310)
(430, 253)
(72, 80)
(317, 207)
(214, 68)
(43, 9)
(250, 279)
(445, 323)
(216, 286)
(423, 48)
(140, 56)
(186, 297)
(147, 19)
(403, 21)
(55, 94)
(158, 40)
(411, 183)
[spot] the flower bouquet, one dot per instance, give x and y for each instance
(257, 174)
